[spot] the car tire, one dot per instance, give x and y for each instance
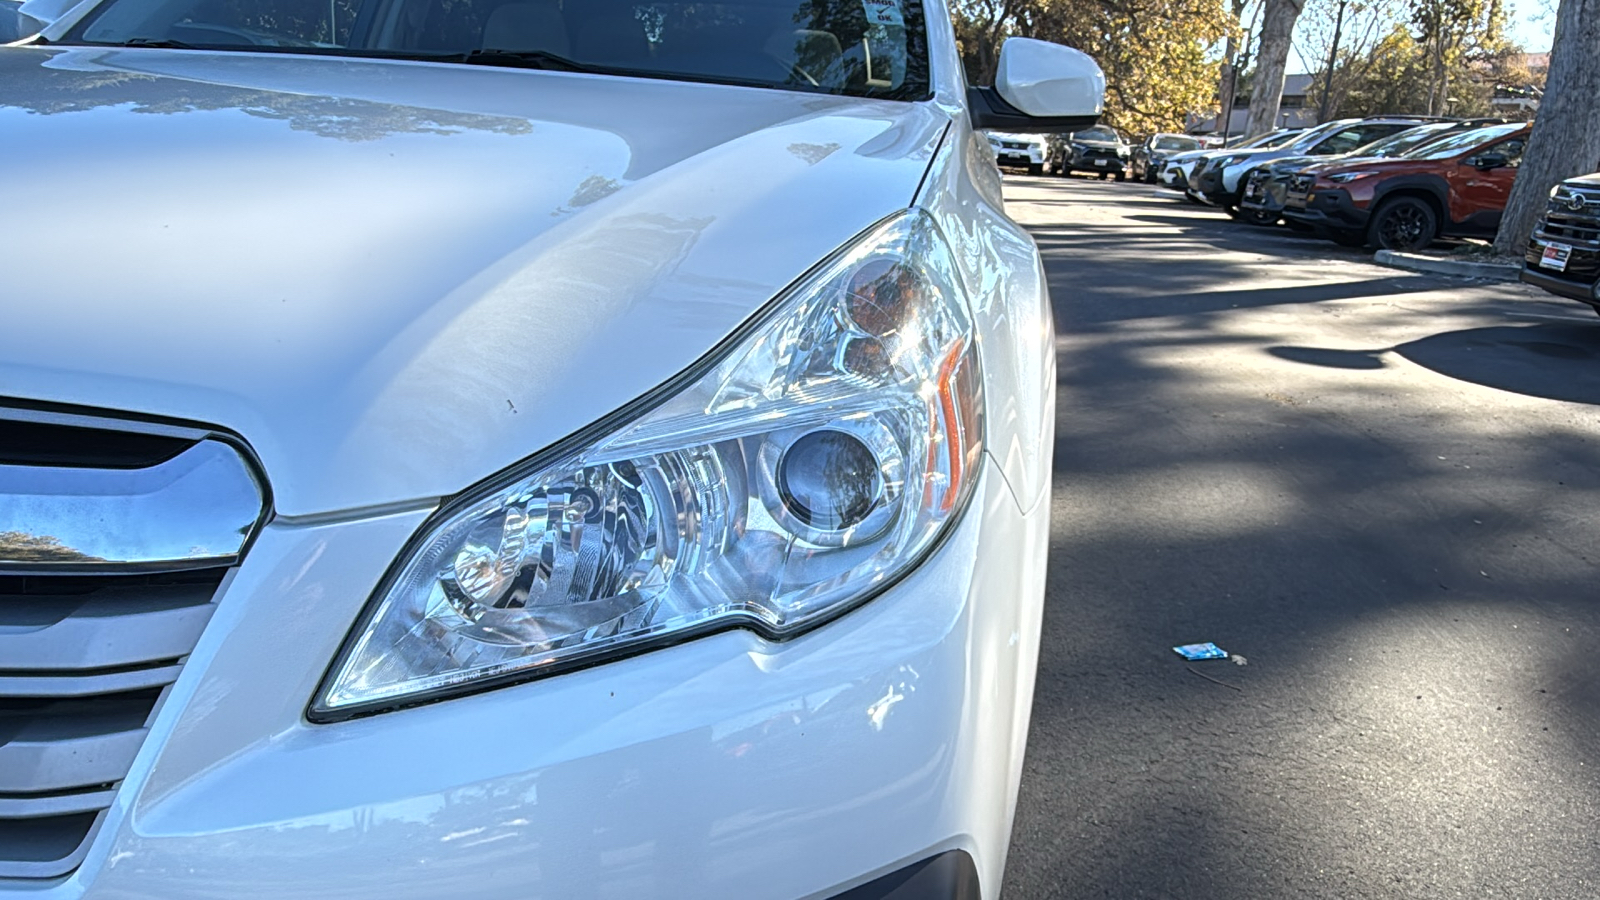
(1104, 175)
(1150, 178)
(1035, 168)
(1404, 224)
(1122, 176)
(1263, 218)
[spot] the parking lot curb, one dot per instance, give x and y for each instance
(1417, 262)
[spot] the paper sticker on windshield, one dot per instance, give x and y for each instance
(884, 12)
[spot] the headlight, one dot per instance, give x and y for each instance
(1347, 177)
(816, 461)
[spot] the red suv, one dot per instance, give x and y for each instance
(1456, 187)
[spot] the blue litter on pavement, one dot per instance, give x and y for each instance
(1207, 650)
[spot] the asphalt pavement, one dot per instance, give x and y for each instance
(1379, 492)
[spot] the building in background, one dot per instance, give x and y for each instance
(1295, 111)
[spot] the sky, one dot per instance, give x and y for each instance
(1531, 23)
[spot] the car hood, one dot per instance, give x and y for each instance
(394, 279)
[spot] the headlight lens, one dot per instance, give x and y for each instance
(813, 464)
(1347, 177)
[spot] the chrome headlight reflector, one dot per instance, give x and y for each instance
(817, 460)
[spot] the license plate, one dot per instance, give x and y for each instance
(1555, 257)
(1101, 162)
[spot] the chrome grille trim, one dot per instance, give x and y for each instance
(193, 510)
(110, 565)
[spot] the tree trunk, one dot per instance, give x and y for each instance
(1228, 89)
(1266, 90)
(1566, 134)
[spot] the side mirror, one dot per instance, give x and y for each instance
(1488, 161)
(1040, 87)
(34, 16)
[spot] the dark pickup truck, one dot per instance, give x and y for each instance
(1564, 253)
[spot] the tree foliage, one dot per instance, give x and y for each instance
(1439, 57)
(1155, 53)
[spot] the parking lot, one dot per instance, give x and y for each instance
(1380, 492)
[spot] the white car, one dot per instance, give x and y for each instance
(453, 448)
(1180, 167)
(1026, 150)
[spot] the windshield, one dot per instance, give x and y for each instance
(1270, 140)
(1306, 140)
(1410, 139)
(875, 48)
(1456, 145)
(1098, 133)
(1173, 142)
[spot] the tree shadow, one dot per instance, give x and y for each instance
(1552, 361)
(1411, 571)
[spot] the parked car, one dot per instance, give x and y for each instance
(1455, 187)
(1150, 156)
(509, 450)
(1100, 150)
(1564, 253)
(1020, 150)
(1266, 187)
(1220, 180)
(1180, 166)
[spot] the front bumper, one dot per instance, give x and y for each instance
(1329, 209)
(1576, 282)
(1265, 196)
(1034, 156)
(726, 766)
(1112, 165)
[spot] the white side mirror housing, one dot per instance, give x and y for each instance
(1049, 80)
(1040, 87)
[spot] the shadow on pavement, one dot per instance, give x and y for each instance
(1556, 362)
(1411, 570)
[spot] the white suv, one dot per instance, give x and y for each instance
(462, 448)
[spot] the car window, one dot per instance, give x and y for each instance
(1098, 133)
(1405, 141)
(1510, 149)
(1348, 139)
(1176, 143)
(1458, 144)
(861, 47)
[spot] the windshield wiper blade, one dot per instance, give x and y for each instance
(160, 43)
(529, 59)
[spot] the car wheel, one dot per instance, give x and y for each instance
(1262, 217)
(1035, 168)
(1122, 176)
(1403, 223)
(1104, 176)
(1149, 178)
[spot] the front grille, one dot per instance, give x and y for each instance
(1013, 145)
(1301, 184)
(90, 639)
(1571, 227)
